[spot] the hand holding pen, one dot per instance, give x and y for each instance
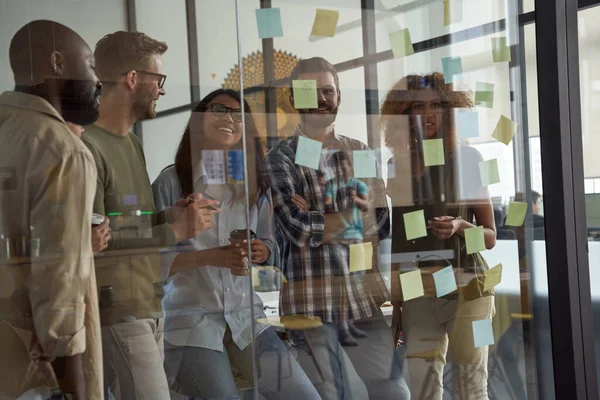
(195, 217)
(444, 227)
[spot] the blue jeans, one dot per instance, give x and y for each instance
(206, 374)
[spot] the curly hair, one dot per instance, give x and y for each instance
(400, 99)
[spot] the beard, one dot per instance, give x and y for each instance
(79, 101)
(143, 104)
(319, 120)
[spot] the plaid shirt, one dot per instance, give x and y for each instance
(318, 279)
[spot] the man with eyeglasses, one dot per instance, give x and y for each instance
(129, 277)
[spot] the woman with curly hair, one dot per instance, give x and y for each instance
(416, 113)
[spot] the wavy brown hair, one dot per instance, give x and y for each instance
(187, 155)
(400, 99)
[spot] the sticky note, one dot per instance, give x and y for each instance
(484, 94)
(305, 94)
(325, 23)
(451, 66)
(414, 225)
(308, 152)
(468, 124)
(268, 21)
(361, 256)
(493, 277)
(500, 51)
(505, 130)
(516, 213)
(433, 152)
(475, 239)
(401, 43)
(412, 285)
(365, 163)
(488, 170)
(445, 282)
(483, 335)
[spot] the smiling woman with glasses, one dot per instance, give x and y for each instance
(161, 77)
(220, 110)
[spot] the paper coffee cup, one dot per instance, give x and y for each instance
(97, 219)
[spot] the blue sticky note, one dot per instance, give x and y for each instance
(468, 124)
(269, 23)
(308, 152)
(445, 282)
(483, 334)
(452, 66)
(364, 164)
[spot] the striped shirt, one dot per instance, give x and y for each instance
(319, 282)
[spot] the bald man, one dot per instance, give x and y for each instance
(48, 181)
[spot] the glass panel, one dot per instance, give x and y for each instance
(590, 105)
(346, 277)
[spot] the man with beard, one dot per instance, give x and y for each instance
(129, 276)
(315, 261)
(47, 183)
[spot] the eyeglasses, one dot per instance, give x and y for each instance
(161, 78)
(220, 110)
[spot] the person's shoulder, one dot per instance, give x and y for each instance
(469, 153)
(351, 143)
(283, 148)
(166, 177)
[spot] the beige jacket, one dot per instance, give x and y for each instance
(47, 187)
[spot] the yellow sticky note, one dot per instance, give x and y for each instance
(412, 285)
(452, 11)
(505, 130)
(475, 239)
(516, 213)
(325, 23)
(305, 94)
(361, 256)
(433, 152)
(401, 43)
(488, 170)
(414, 225)
(493, 277)
(500, 51)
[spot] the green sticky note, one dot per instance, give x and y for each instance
(500, 51)
(401, 43)
(451, 66)
(268, 21)
(365, 163)
(488, 170)
(414, 225)
(361, 256)
(475, 239)
(433, 152)
(445, 281)
(483, 334)
(516, 213)
(505, 130)
(305, 94)
(412, 285)
(325, 23)
(484, 94)
(308, 152)
(493, 277)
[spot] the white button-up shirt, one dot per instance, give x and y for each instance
(199, 303)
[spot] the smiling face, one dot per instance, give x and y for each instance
(328, 98)
(428, 105)
(222, 132)
(147, 92)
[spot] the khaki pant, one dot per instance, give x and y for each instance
(133, 360)
(434, 328)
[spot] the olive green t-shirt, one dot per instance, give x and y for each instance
(131, 263)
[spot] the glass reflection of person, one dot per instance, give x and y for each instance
(52, 300)
(453, 200)
(318, 283)
(207, 303)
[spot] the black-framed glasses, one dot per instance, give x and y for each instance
(220, 110)
(161, 78)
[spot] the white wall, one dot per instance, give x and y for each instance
(90, 18)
